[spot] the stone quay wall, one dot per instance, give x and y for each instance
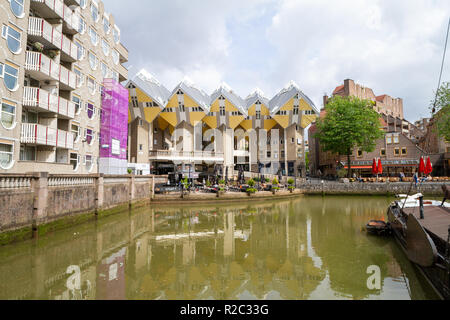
(28, 201)
(380, 189)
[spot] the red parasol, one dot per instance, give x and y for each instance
(380, 167)
(421, 166)
(374, 167)
(429, 167)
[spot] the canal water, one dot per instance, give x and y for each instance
(307, 248)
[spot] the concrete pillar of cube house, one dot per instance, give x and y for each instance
(39, 186)
(99, 192)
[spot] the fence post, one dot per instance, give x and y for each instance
(39, 186)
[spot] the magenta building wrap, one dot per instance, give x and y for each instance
(114, 121)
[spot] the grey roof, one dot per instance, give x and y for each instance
(147, 83)
(199, 96)
(257, 95)
(234, 98)
(287, 94)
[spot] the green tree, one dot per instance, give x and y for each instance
(307, 161)
(349, 123)
(441, 110)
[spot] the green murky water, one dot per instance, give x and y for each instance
(310, 248)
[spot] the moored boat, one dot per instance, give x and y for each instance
(422, 228)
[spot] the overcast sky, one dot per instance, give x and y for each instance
(393, 47)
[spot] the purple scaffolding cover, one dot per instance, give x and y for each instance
(114, 122)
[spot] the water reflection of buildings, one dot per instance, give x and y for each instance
(284, 250)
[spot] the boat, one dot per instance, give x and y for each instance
(422, 228)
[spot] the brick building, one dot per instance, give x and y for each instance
(398, 150)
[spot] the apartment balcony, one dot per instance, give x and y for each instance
(123, 53)
(36, 134)
(185, 156)
(57, 9)
(42, 68)
(72, 2)
(42, 31)
(123, 72)
(44, 101)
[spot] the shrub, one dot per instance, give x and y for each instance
(251, 190)
(267, 180)
(275, 182)
(290, 181)
(222, 181)
(251, 183)
(130, 171)
(208, 183)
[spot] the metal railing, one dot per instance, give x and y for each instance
(39, 98)
(42, 135)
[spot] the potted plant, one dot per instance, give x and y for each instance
(130, 171)
(291, 185)
(275, 186)
(53, 53)
(221, 188)
(185, 186)
(38, 46)
(251, 190)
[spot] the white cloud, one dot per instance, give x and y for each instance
(394, 47)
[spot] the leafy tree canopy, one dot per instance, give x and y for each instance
(441, 110)
(349, 123)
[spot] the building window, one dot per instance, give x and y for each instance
(27, 153)
(105, 47)
(81, 51)
(11, 77)
(83, 4)
(6, 155)
(13, 38)
(91, 85)
(8, 115)
(82, 26)
(90, 110)
(94, 12)
(360, 153)
(383, 152)
(76, 132)
(79, 77)
(88, 162)
(182, 108)
(74, 161)
(2, 69)
(94, 36)
(296, 110)
(116, 34)
(106, 25)
(17, 7)
(141, 147)
(115, 56)
(404, 151)
(388, 138)
(258, 115)
(89, 136)
(269, 154)
(93, 61)
(396, 138)
(104, 70)
(134, 102)
(397, 151)
(222, 111)
(77, 102)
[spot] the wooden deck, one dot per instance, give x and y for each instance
(437, 220)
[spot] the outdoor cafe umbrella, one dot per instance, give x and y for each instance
(380, 167)
(374, 167)
(421, 166)
(429, 167)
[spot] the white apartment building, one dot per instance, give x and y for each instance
(54, 55)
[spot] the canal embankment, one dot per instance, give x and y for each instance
(37, 203)
(430, 189)
(34, 204)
